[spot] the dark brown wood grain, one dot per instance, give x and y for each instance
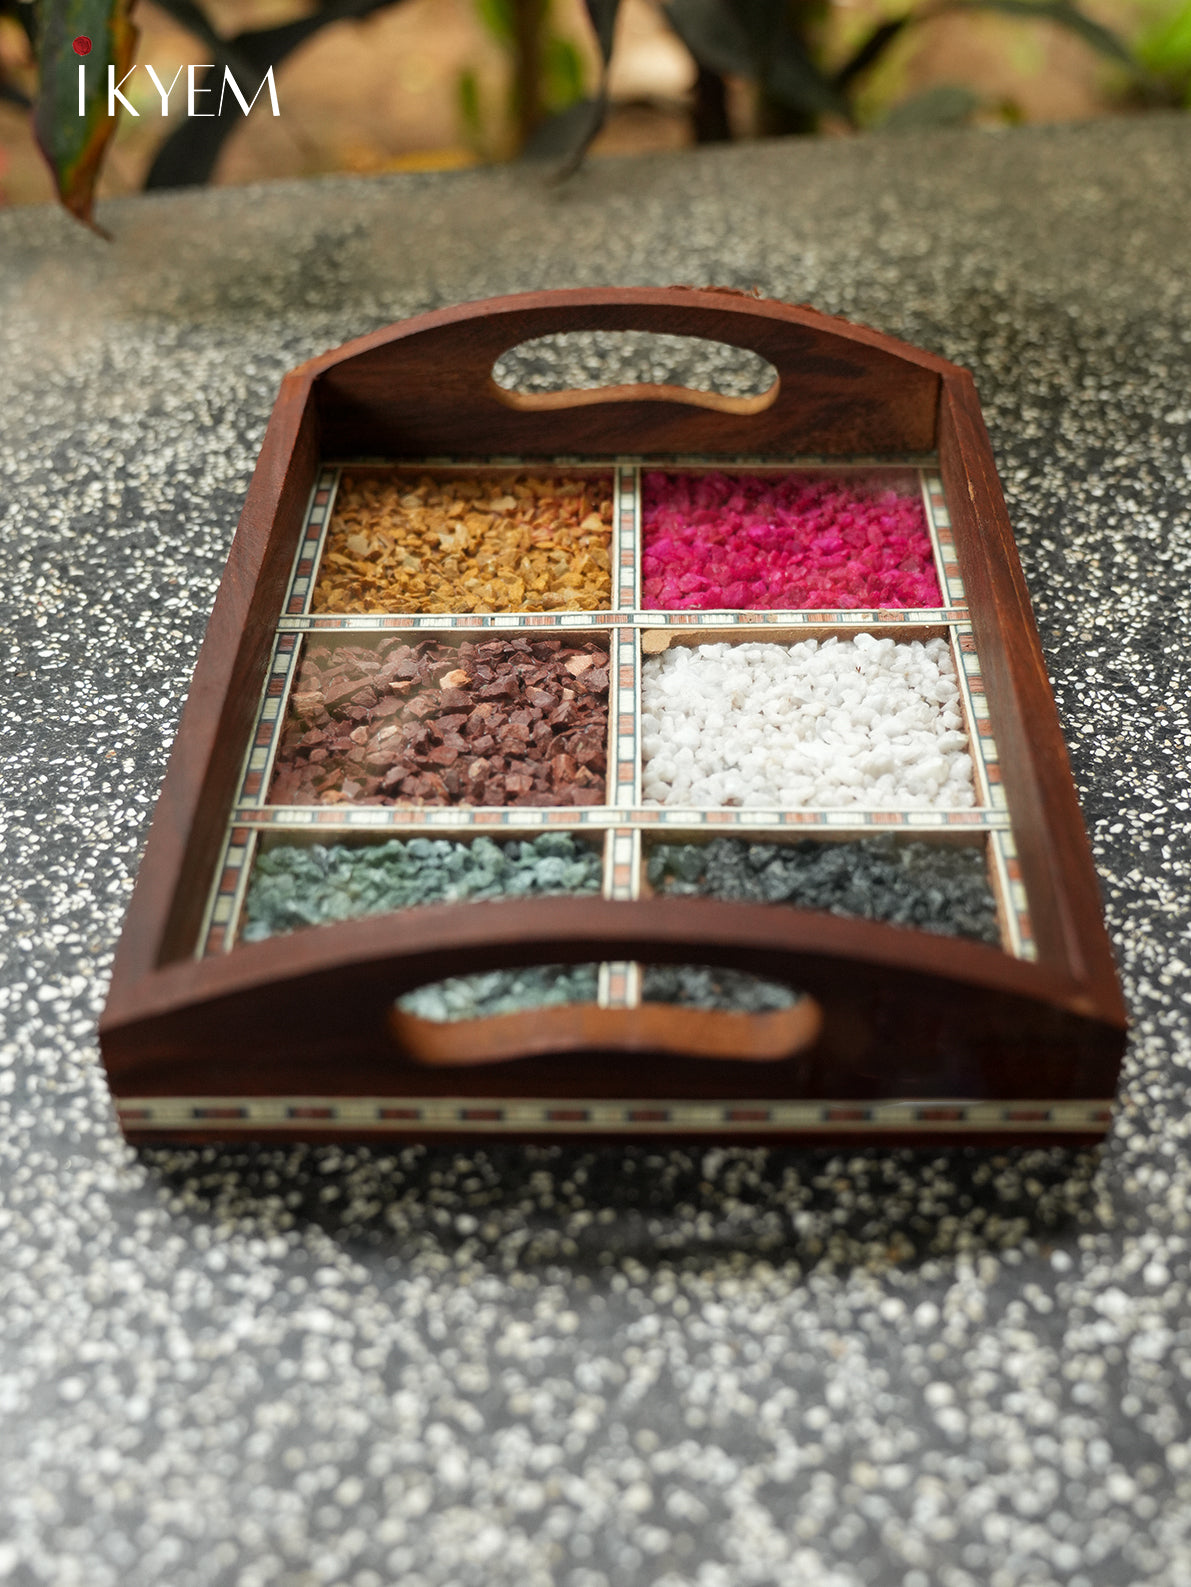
(904, 1014)
(1056, 861)
(426, 388)
(901, 1016)
(191, 816)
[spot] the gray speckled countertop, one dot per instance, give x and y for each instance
(570, 1368)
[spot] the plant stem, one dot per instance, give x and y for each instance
(529, 27)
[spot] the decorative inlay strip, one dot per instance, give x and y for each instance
(620, 980)
(624, 710)
(310, 548)
(423, 817)
(986, 760)
(223, 909)
(254, 783)
(577, 1116)
(355, 622)
(625, 560)
(946, 559)
(1011, 888)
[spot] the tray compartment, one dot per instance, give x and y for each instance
(942, 886)
(495, 992)
(801, 540)
(295, 885)
(401, 719)
(703, 986)
(468, 540)
(866, 721)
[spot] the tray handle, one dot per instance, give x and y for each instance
(572, 1028)
(897, 1007)
(426, 386)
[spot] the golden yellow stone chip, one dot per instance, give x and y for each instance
(476, 543)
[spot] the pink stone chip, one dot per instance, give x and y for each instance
(796, 541)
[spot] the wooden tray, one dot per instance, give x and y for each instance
(901, 1035)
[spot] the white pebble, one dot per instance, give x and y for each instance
(862, 722)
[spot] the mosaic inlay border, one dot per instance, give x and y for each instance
(310, 549)
(579, 1116)
(627, 577)
(946, 558)
(868, 617)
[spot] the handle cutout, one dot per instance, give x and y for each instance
(690, 1033)
(627, 366)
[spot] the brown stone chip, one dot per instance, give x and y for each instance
(492, 738)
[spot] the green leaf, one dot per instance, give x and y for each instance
(1166, 49)
(467, 98)
(562, 74)
(870, 51)
(188, 156)
(559, 135)
(602, 14)
(755, 39)
(12, 95)
(567, 136)
(944, 105)
(575, 129)
(795, 81)
(714, 36)
(74, 144)
(497, 17)
(1060, 12)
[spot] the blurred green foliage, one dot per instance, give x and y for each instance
(548, 75)
(778, 46)
(1164, 51)
(785, 50)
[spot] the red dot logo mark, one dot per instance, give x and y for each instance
(82, 45)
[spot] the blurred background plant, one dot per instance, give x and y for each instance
(1163, 50)
(547, 75)
(372, 85)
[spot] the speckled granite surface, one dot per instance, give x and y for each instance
(442, 1368)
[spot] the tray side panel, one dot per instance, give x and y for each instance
(311, 1012)
(188, 825)
(1055, 855)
